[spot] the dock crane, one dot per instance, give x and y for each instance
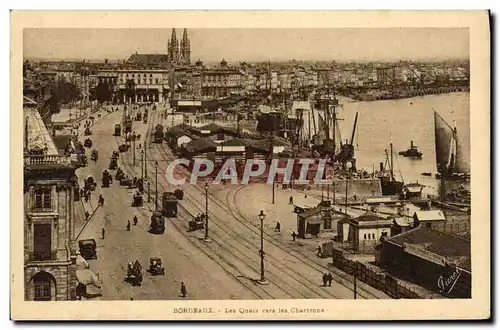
(419, 77)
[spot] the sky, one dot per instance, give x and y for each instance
(212, 45)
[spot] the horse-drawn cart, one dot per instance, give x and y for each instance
(89, 183)
(137, 200)
(107, 179)
(87, 143)
(94, 155)
(197, 223)
(135, 273)
(155, 266)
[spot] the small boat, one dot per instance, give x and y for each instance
(426, 173)
(412, 152)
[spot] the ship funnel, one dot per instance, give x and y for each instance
(381, 166)
(411, 145)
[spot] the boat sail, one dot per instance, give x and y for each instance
(449, 157)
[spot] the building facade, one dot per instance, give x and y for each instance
(49, 185)
(137, 85)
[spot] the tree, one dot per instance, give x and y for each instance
(103, 92)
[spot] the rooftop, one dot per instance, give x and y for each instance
(453, 247)
(37, 135)
(200, 145)
(430, 215)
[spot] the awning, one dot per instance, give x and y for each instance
(314, 220)
(81, 263)
(87, 277)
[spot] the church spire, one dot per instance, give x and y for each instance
(173, 38)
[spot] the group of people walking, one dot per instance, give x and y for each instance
(327, 279)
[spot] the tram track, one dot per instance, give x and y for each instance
(235, 242)
(339, 277)
(289, 271)
(226, 266)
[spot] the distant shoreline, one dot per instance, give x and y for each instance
(367, 97)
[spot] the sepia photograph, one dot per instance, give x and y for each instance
(240, 172)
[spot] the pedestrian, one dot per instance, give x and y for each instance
(135, 220)
(101, 200)
(319, 251)
(103, 233)
(293, 236)
(305, 196)
(325, 279)
(330, 279)
(87, 215)
(128, 225)
(183, 290)
(291, 200)
(278, 227)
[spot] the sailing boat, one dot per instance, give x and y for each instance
(449, 158)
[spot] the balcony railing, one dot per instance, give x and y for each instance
(42, 256)
(46, 159)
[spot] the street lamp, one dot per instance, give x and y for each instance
(348, 166)
(145, 159)
(207, 238)
(133, 142)
(261, 251)
(156, 185)
(142, 164)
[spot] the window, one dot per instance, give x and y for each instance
(364, 236)
(43, 198)
(42, 241)
(327, 223)
(150, 81)
(151, 75)
(133, 75)
(157, 81)
(43, 287)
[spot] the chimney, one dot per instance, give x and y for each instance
(381, 166)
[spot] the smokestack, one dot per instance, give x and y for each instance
(381, 166)
(411, 145)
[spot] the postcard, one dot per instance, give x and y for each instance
(250, 165)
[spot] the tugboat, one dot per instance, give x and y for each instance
(389, 184)
(412, 152)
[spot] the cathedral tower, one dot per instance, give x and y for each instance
(173, 48)
(185, 49)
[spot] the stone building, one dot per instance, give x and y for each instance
(49, 182)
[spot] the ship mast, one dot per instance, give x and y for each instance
(391, 168)
(334, 122)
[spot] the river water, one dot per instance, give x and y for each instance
(402, 121)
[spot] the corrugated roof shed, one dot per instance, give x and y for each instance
(444, 244)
